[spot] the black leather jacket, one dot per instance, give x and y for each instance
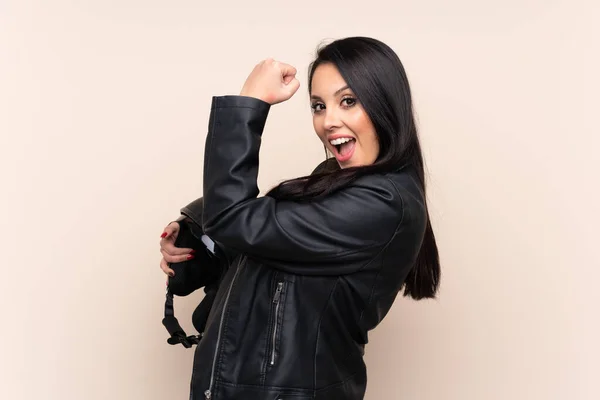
(301, 284)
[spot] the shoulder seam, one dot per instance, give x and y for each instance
(383, 250)
(398, 225)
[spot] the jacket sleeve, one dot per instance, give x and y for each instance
(335, 235)
(192, 215)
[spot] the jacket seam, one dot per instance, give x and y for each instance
(227, 107)
(372, 291)
(385, 247)
(319, 332)
(386, 244)
(186, 213)
(297, 390)
(340, 383)
(219, 346)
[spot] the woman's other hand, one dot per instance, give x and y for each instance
(271, 81)
(172, 254)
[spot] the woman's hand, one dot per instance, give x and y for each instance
(271, 81)
(172, 254)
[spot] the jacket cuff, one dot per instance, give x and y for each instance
(194, 211)
(230, 101)
(182, 217)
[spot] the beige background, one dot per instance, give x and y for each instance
(103, 114)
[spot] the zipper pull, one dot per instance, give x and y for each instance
(278, 292)
(207, 395)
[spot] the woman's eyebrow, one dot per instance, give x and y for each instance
(315, 97)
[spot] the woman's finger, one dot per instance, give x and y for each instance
(165, 267)
(176, 259)
(170, 230)
(171, 249)
(287, 69)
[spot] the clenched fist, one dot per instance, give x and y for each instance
(271, 81)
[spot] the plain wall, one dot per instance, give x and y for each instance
(103, 114)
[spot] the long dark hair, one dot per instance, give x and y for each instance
(376, 75)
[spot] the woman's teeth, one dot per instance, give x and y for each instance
(337, 142)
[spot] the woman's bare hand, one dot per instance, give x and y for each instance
(271, 81)
(172, 254)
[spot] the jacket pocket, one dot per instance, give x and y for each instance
(276, 327)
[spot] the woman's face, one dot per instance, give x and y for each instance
(340, 120)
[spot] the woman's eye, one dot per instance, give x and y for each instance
(349, 101)
(317, 107)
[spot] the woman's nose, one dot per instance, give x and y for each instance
(331, 120)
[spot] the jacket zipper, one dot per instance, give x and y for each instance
(208, 392)
(276, 300)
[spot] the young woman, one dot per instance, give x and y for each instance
(309, 269)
